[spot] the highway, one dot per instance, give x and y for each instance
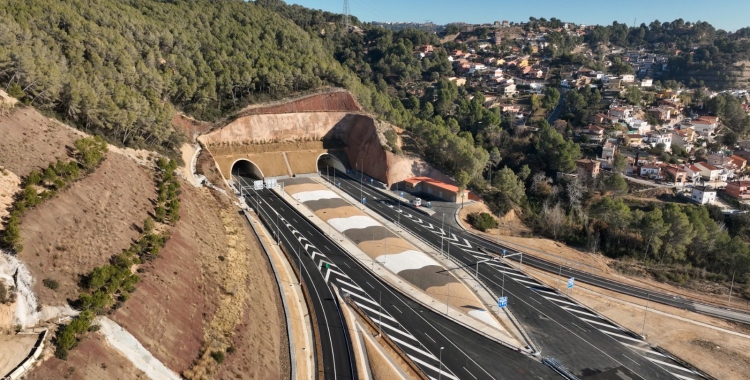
(418, 331)
(584, 348)
(338, 363)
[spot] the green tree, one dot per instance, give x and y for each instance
(619, 163)
(509, 185)
(463, 179)
(614, 183)
(556, 153)
(679, 234)
(551, 97)
(652, 229)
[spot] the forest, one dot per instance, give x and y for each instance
(122, 68)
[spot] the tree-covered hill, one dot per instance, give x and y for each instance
(119, 67)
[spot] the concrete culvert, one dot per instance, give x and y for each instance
(247, 169)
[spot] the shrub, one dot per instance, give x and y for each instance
(3, 292)
(483, 221)
(218, 356)
(50, 283)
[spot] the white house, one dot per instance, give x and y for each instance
(703, 195)
(641, 126)
(497, 73)
(628, 78)
(709, 172)
(647, 82)
(621, 113)
(657, 138)
(651, 171)
(693, 174)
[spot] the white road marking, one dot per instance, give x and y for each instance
(610, 333)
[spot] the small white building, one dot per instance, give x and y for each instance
(703, 195)
(647, 82)
(628, 78)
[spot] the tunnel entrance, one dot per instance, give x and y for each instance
(247, 169)
(327, 160)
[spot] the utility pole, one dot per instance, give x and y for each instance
(448, 254)
(731, 287)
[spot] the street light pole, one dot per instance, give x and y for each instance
(440, 371)
(645, 313)
(730, 288)
(448, 254)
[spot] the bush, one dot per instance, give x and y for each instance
(50, 283)
(218, 356)
(483, 221)
(3, 292)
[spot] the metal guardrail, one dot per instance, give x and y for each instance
(557, 367)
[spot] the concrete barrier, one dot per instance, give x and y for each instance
(22, 368)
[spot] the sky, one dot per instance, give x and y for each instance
(729, 15)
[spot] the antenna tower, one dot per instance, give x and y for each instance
(346, 14)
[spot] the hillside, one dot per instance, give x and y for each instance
(122, 67)
(191, 300)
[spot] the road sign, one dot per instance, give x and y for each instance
(364, 200)
(257, 185)
(502, 302)
(271, 183)
(571, 282)
(503, 253)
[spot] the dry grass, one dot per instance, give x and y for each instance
(84, 225)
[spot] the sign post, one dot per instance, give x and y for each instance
(502, 302)
(571, 282)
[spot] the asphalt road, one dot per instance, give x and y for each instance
(581, 347)
(338, 363)
(465, 354)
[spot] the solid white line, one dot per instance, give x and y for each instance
(610, 333)
(672, 365)
(395, 329)
(467, 371)
(525, 282)
(445, 374)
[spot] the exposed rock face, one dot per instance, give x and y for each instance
(361, 135)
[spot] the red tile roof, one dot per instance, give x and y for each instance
(433, 182)
(707, 165)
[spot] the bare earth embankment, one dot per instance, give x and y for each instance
(84, 226)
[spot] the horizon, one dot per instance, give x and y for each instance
(442, 12)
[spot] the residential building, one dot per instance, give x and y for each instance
(744, 144)
(595, 132)
(732, 162)
(742, 154)
(703, 195)
(661, 113)
(650, 171)
(620, 113)
(692, 174)
(628, 78)
(709, 172)
(633, 139)
(508, 89)
(598, 118)
(739, 190)
(497, 73)
(609, 150)
(641, 126)
(704, 126)
(683, 138)
(657, 138)
(647, 82)
(677, 176)
(587, 168)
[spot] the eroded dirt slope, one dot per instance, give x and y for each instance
(84, 225)
(29, 140)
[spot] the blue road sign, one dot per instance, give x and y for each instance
(571, 282)
(364, 200)
(402, 194)
(502, 302)
(503, 253)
